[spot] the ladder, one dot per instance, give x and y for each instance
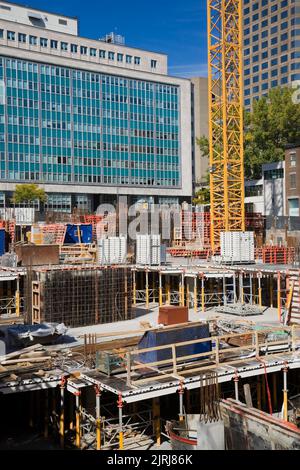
(294, 283)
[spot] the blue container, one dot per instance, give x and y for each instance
(156, 338)
(2, 241)
(72, 236)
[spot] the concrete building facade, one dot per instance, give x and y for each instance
(88, 119)
(292, 186)
(271, 46)
(200, 128)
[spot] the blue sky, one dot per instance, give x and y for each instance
(176, 27)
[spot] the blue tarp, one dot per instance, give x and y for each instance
(2, 241)
(156, 338)
(86, 234)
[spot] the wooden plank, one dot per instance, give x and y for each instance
(28, 361)
(21, 351)
(248, 396)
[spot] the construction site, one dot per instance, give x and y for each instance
(190, 342)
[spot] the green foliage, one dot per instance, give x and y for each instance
(273, 123)
(28, 193)
(202, 197)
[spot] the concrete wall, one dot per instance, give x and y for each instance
(54, 22)
(292, 167)
(200, 86)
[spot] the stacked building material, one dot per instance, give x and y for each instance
(149, 250)
(112, 250)
(81, 296)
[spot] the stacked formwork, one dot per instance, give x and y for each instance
(81, 296)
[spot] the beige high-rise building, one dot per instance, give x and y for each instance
(271, 46)
(200, 128)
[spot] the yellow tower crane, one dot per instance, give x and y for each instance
(226, 139)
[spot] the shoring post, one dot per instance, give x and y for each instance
(224, 291)
(259, 290)
(182, 290)
(78, 413)
(271, 290)
(17, 298)
(128, 368)
(285, 393)
(121, 435)
(241, 279)
(195, 295)
(203, 293)
(217, 351)
(181, 394)
(160, 290)
(251, 289)
(156, 420)
(147, 289)
(234, 289)
(98, 418)
(134, 288)
(168, 291)
(279, 295)
(153, 287)
(62, 412)
(187, 294)
(236, 385)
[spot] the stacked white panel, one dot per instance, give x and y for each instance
(148, 250)
(237, 247)
(112, 250)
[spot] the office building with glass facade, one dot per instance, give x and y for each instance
(271, 46)
(88, 119)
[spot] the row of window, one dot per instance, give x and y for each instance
(274, 19)
(265, 76)
(74, 48)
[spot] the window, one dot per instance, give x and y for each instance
(74, 48)
(64, 46)
(274, 30)
(293, 207)
(120, 57)
(265, 76)
(293, 159)
(53, 44)
(264, 65)
(11, 35)
(83, 50)
(33, 40)
(102, 54)
(293, 181)
(284, 69)
(22, 37)
(274, 83)
(44, 42)
(93, 52)
(137, 61)
(128, 59)
(62, 22)
(111, 55)
(274, 73)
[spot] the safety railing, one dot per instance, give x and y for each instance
(12, 306)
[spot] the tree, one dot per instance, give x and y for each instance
(273, 123)
(26, 193)
(202, 197)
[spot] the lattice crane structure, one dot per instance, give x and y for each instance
(226, 139)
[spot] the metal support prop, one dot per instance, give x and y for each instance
(203, 294)
(187, 294)
(17, 297)
(271, 291)
(224, 291)
(259, 290)
(77, 408)
(241, 276)
(168, 291)
(156, 420)
(251, 289)
(147, 289)
(134, 288)
(236, 386)
(121, 435)
(279, 295)
(182, 291)
(285, 394)
(181, 393)
(195, 295)
(234, 289)
(62, 413)
(160, 290)
(98, 418)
